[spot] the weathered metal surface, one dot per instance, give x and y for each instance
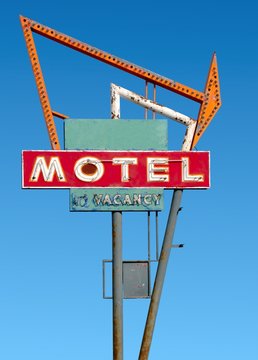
(136, 279)
(117, 285)
(188, 138)
(209, 99)
(40, 83)
(117, 91)
(59, 115)
(114, 199)
(112, 60)
(211, 103)
(116, 169)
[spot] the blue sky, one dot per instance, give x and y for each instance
(51, 304)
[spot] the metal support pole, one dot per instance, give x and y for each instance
(146, 96)
(149, 254)
(157, 235)
(160, 275)
(117, 285)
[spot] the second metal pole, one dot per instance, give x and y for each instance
(117, 285)
(160, 275)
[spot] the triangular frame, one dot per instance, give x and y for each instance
(209, 99)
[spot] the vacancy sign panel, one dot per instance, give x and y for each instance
(116, 169)
(109, 199)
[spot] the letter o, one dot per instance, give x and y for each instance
(89, 169)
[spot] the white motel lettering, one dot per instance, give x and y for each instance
(154, 172)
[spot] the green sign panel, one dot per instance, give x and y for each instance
(85, 134)
(116, 199)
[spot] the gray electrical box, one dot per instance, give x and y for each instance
(136, 279)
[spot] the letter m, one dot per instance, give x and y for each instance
(48, 171)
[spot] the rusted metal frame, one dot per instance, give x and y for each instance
(149, 104)
(117, 91)
(209, 99)
(115, 102)
(113, 60)
(59, 115)
(164, 258)
(211, 103)
(189, 134)
(43, 96)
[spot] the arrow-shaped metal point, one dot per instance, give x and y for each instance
(211, 103)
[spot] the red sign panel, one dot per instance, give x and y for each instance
(116, 169)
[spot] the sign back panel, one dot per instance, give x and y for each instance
(100, 134)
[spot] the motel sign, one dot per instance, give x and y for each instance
(118, 166)
(115, 169)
